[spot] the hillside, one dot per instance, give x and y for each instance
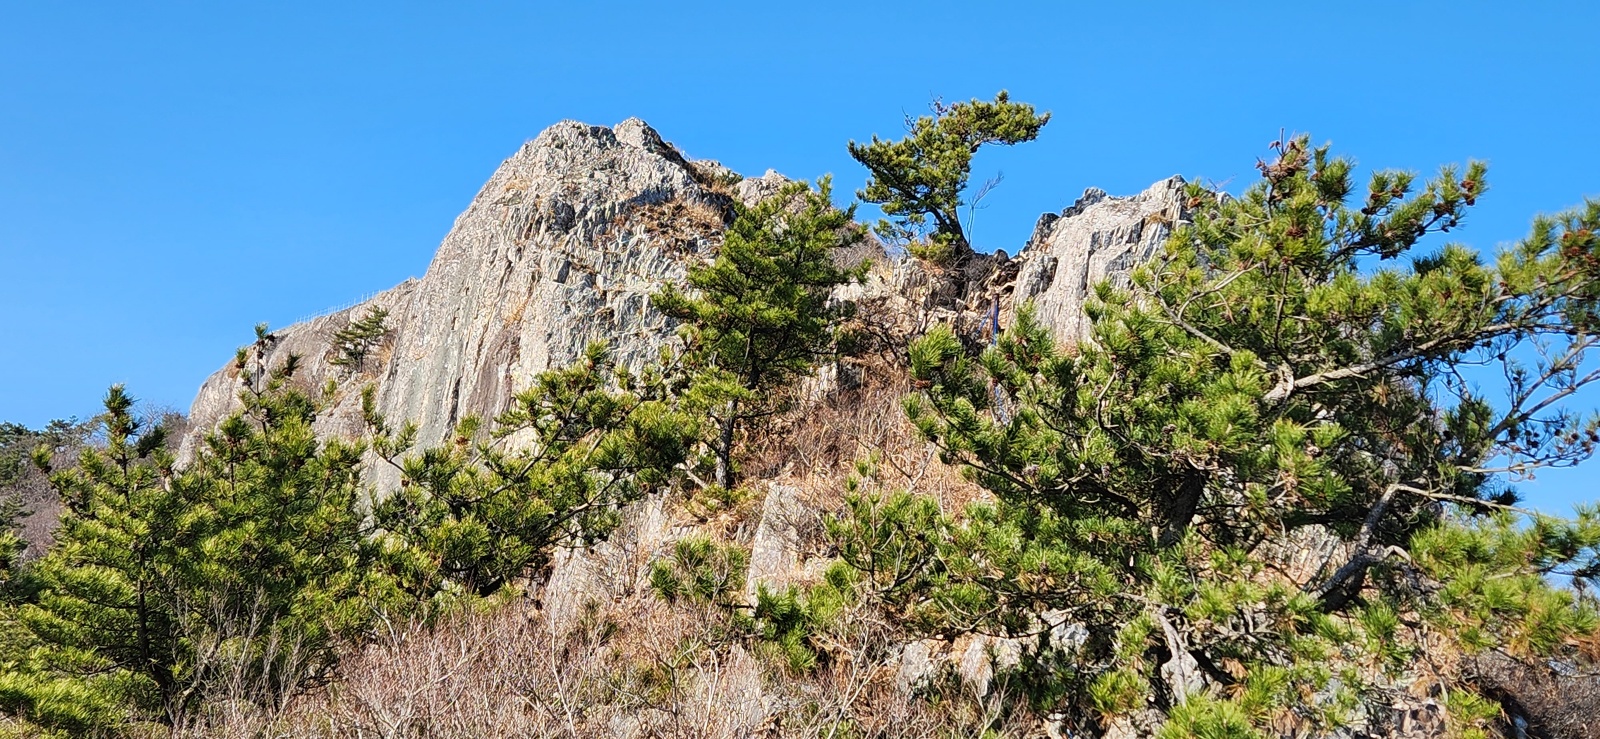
(564, 245)
(882, 568)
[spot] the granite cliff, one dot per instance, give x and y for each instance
(564, 245)
(570, 236)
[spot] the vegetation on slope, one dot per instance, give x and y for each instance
(1299, 368)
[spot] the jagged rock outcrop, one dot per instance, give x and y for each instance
(569, 237)
(1096, 238)
(562, 246)
(565, 244)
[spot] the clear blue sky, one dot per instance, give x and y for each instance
(173, 173)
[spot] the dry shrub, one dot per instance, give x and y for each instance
(632, 668)
(38, 524)
(638, 667)
(713, 177)
(867, 249)
(815, 446)
(485, 675)
(678, 221)
(1558, 700)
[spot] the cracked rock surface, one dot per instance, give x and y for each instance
(572, 234)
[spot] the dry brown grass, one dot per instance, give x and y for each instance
(816, 446)
(1561, 701)
(639, 668)
(677, 222)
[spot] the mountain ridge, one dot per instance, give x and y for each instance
(569, 237)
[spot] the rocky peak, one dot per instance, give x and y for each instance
(565, 244)
(1095, 238)
(571, 235)
(562, 246)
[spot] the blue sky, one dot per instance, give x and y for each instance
(173, 173)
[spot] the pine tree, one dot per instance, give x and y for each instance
(920, 181)
(761, 314)
(352, 343)
(163, 583)
(100, 601)
(474, 515)
(11, 545)
(1277, 368)
(284, 551)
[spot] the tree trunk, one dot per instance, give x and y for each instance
(1181, 507)
(725, 449)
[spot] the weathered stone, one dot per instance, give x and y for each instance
(984, 657)
(611, 569)
(732, 695)
(544, 261)
(1139, 724)
(917, 665)
(1181, 673)
(775, 553)
(1065, 635)
(756, 189)
(625, 726)
(1098, 237)
(1306, 553)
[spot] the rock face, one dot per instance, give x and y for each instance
(775, 550)
(1097, 237)
(565, 244)
(562, 246)
(614, 568)
(571, 235)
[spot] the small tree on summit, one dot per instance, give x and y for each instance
(761, 315)
(921, 178)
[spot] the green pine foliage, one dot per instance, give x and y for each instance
(354, 342)
(787, 625)
(920, 181)
(476, 514)
(165, 584)
(761, 314)
(701, 571)
(1291, 360)
(1495, 578)
(11, 545)
(893, 540)
(796, 624)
